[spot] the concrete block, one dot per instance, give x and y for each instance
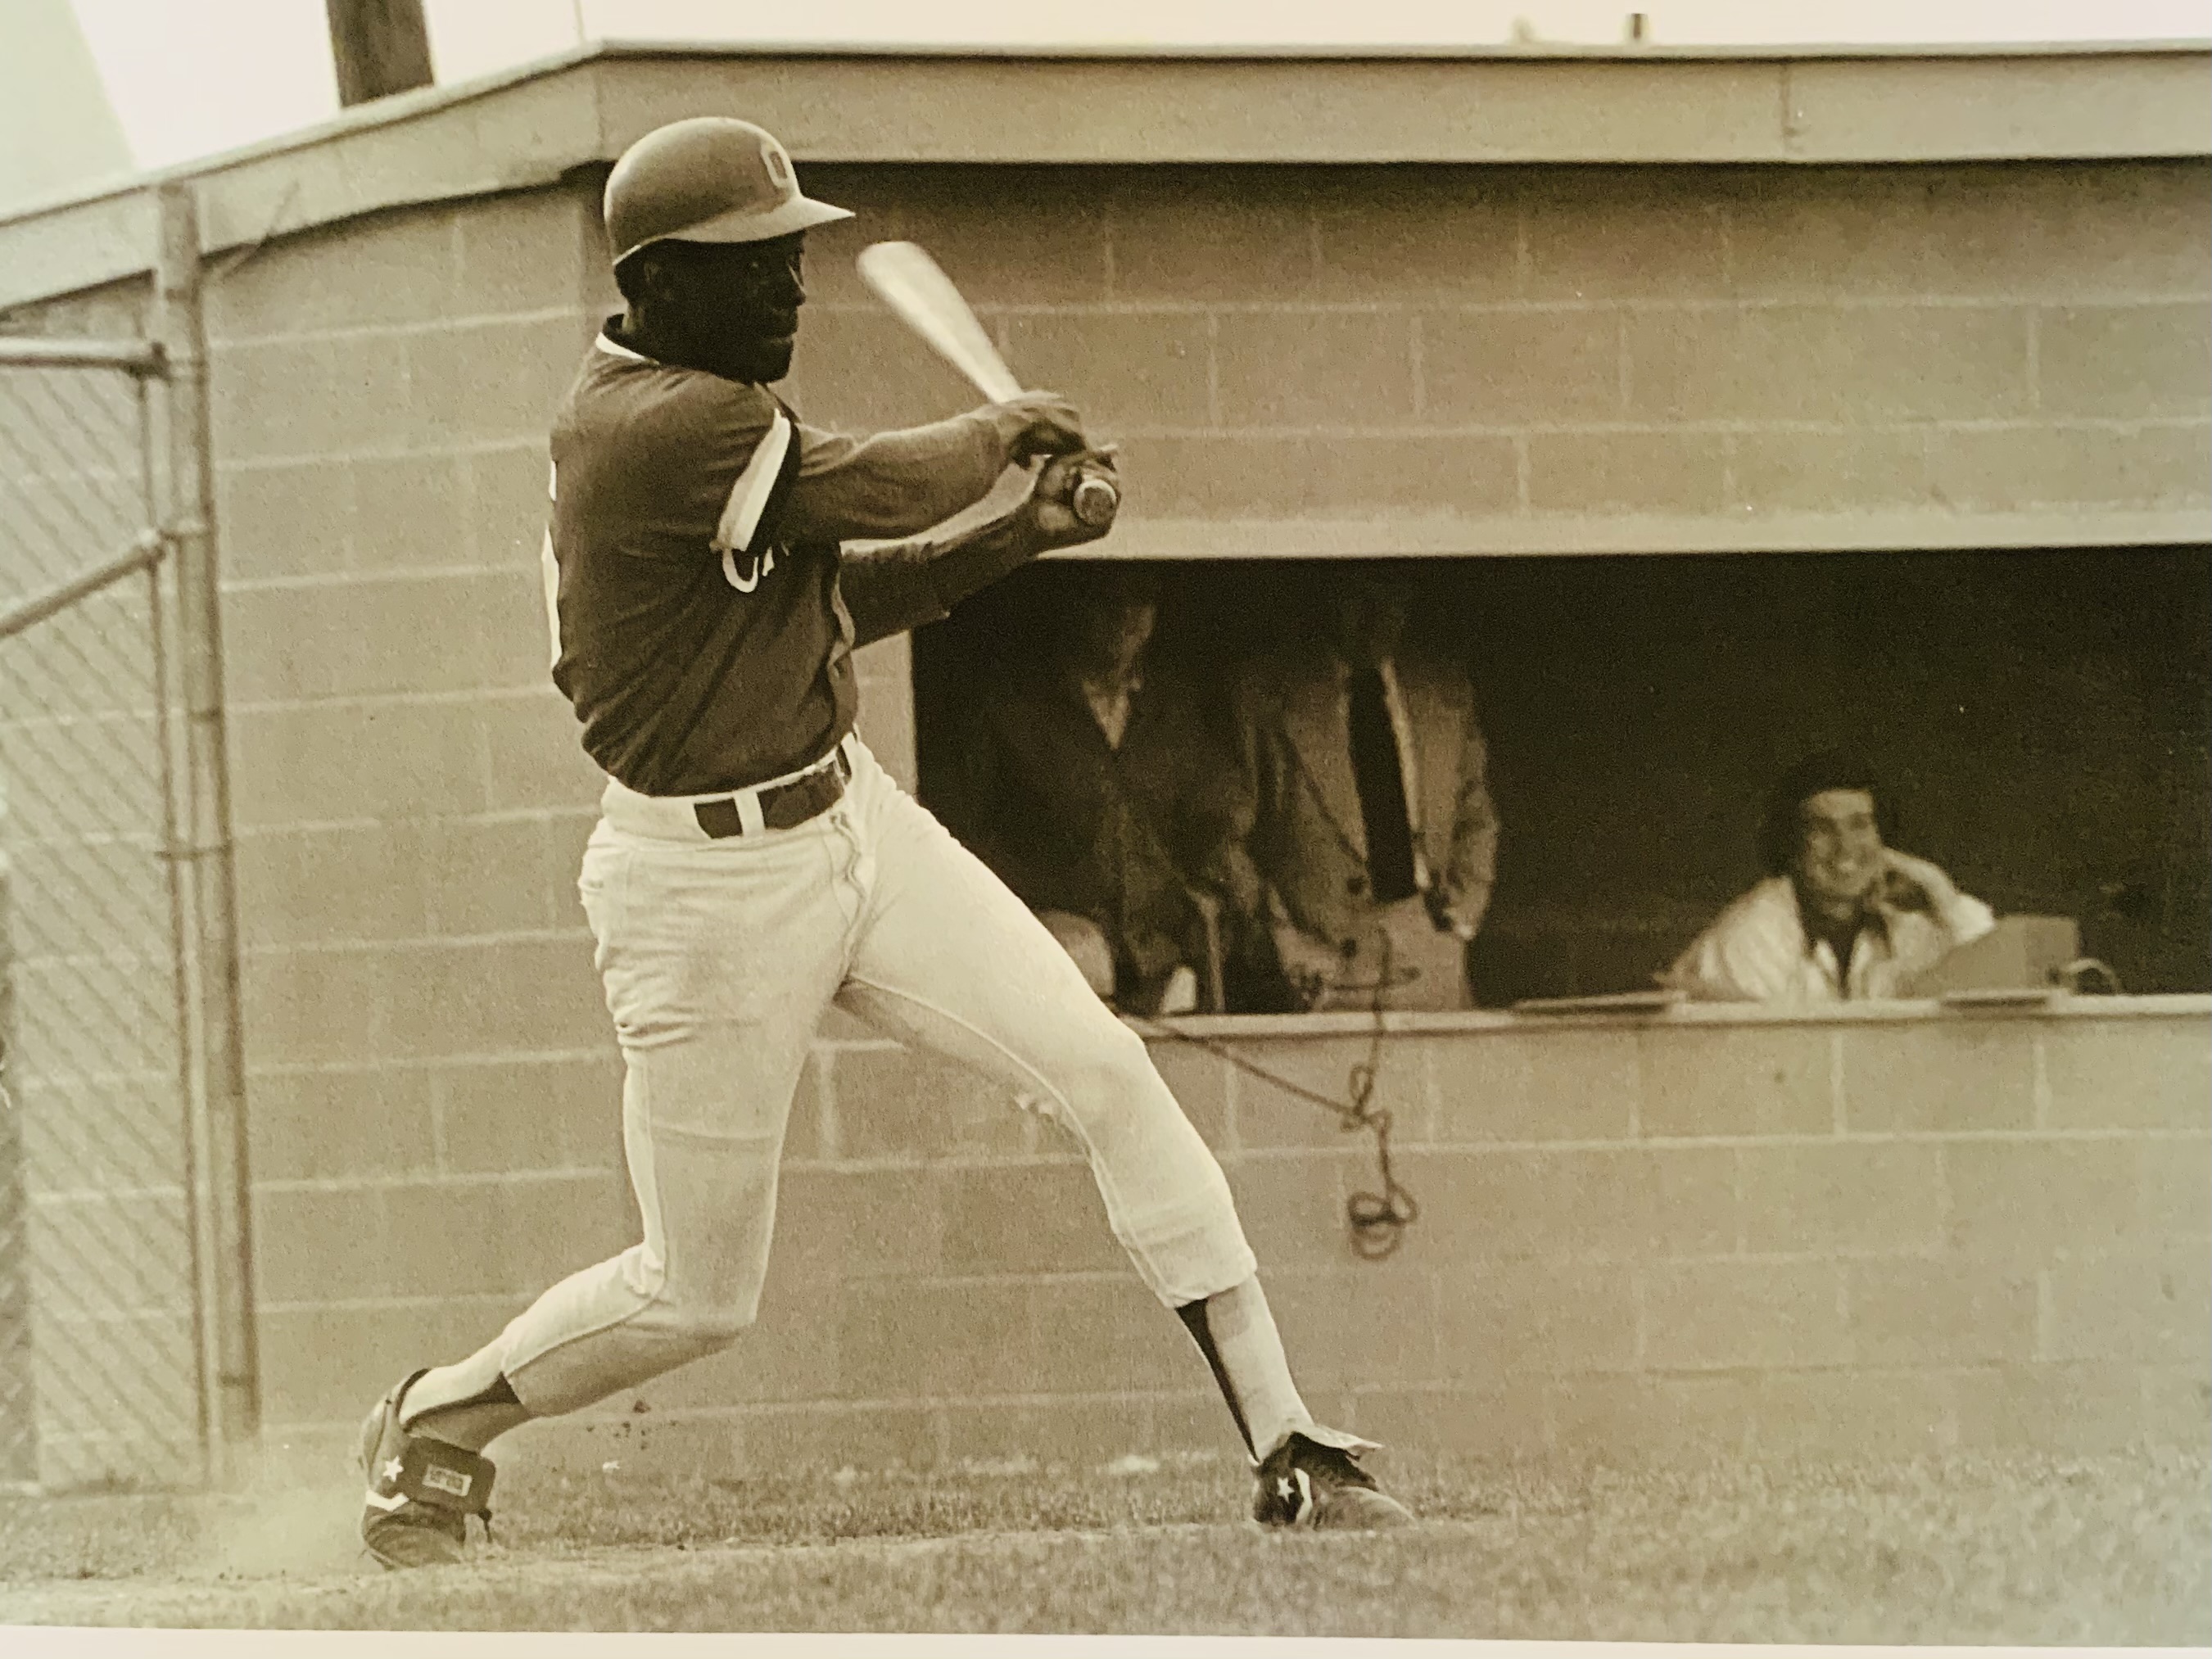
(289, 399)
(334, 1125)
(1652, 471)
(320, 1366)
(1103, 1336)
(2177, 1407)
(2068, 229)
(384, 635)
(526, 251)
(1035, 1219)
(1519, 368)
(1307, 369)
(552, 1228)
(1199, 1079)
(314, 1244)
(885, 723)
(1292, 1206)
(520, 1113)
(1082, 1434)
(796, 1438)
(287, 519)
(1496, 1422)
(2080, 1409)
(323, 1007)
(1236, 234)
(1855, 365)
(1500, 1318)
(1939, 1077)
(2127, 361)
(960, 213)
(2041, 1199)
(328, 885)
(1812, 233)
(2174, 1180)
(1722, 1316)
(2127, 1074)
(905, 1102)
(484, 381)
(502, 515)
(1268, 1115)
(840, 1226)
(1596, 233)
(401, 265)
(1822, 1198)
(535, 756)
(1597, 1204)
(2010, 467)
(1532, 1085)
(1742, 1080)
(1852, 1414)
(1347, 1328)
(315, 765)
(1830, 470)
(2156, 1309)
(865, 371)
(1389, 234)
(1941, 1311)
(1255, 476)
(504, 996)
(413, 512)
(787, 1355)
(487, 876)
(908, 1339)
(1121, 368)
(1635, 1419)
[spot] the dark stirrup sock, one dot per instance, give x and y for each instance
(1192, 1315)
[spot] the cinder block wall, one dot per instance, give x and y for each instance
(432, 1080)
(1878, 1236)
(1563, 343)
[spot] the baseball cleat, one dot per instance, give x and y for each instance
(420, 1492)
(1306, 1483)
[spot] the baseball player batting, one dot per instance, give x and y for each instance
(753, 864)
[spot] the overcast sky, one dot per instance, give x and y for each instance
(188, 79)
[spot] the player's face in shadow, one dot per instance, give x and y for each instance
(734, 306)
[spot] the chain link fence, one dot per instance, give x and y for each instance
(104, 1374)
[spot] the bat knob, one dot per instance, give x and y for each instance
(1095, 499)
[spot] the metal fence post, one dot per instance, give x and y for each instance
(209, 845)
(19, 1442)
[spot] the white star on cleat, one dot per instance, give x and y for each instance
(1283, 1487)
(391, 1470)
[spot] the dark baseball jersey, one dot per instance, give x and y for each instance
(693, 567)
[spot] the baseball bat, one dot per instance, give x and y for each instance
(915, 288)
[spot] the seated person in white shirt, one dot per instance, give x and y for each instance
(1842, 916)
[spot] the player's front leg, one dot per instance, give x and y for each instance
(949, 959)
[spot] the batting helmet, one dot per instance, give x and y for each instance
(707, 180)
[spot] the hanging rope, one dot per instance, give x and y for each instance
(1378, 1219)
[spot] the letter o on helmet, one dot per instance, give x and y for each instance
(710, 178)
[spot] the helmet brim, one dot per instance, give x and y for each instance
(747, 225)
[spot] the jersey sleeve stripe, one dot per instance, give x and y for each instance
(749, 497)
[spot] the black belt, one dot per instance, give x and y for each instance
(783, 806)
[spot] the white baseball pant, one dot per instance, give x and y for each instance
(719, 958)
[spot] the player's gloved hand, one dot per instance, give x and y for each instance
(1311, 965)
(1050, 511)
(1038, 423)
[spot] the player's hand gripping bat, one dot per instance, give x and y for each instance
(914, 286)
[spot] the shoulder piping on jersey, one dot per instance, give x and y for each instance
(749, 495)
